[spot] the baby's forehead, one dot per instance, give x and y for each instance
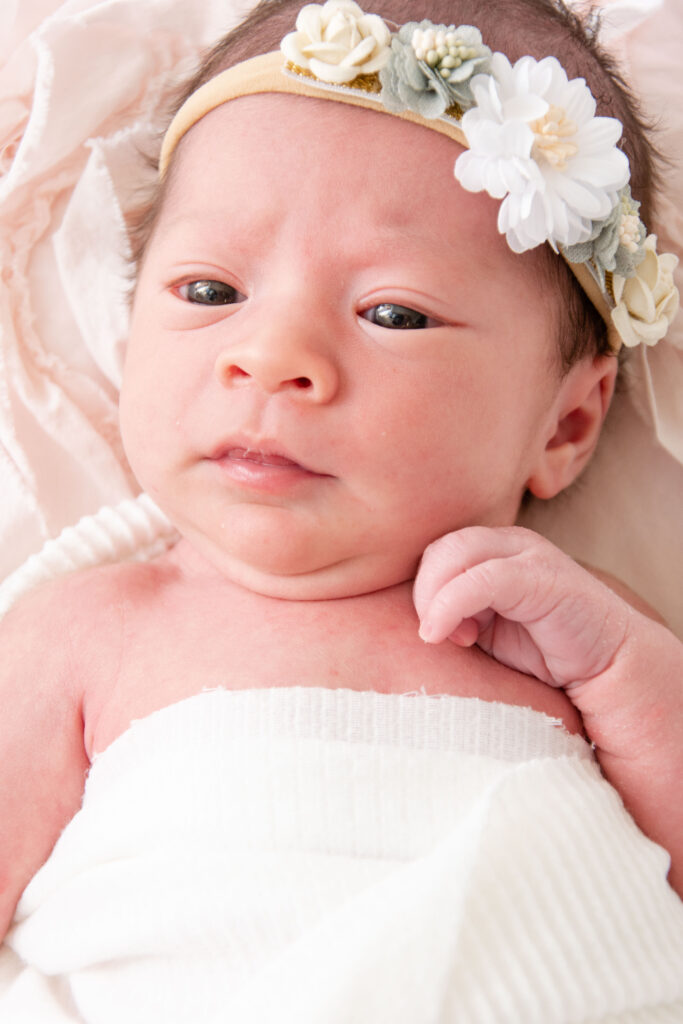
(267, 150)
(290, 127)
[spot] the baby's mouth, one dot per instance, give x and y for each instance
(261, 462)
(261, 458)
(250, 459)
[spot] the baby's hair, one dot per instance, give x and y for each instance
(538, 28)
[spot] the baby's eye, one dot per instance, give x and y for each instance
(398, 318)
(210, 293)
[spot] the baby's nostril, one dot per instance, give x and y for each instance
(302, 382)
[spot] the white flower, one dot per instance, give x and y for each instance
(647, 302)
(337, 41)
(536, 144)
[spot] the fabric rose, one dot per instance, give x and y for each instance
(430, 67)
(337, 41)
(647, 302)
(536, 144)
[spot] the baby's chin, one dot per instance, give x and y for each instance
(286, 553)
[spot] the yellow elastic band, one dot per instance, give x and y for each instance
(267, 73)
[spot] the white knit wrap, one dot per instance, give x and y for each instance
(315, 856)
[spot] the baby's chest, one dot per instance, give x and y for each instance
(169, 670)
(259, 646)
(366, 645)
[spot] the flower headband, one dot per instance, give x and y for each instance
(530, 135)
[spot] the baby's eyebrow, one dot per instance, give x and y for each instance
(391, 228)
(236, 222)
(176, 222)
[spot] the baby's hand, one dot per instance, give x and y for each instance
(533, 608)
(523, 601)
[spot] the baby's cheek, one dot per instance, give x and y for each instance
(128, 420)
(137, 423)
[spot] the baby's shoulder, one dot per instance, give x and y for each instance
(43, 678)
(72, 623)
(53, 607)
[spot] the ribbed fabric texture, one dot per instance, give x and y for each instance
(312, 855)
(133, 529)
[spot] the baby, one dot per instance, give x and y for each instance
(347, 368)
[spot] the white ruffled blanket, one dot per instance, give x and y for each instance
(82, 84)
(313, 856)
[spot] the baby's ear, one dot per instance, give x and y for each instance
(574, 428)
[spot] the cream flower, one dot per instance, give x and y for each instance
(536, 144)
(647, 302)
(337, 41)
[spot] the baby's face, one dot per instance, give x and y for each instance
(334, 357)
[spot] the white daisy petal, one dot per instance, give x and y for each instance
(579, 102)
(538, 75)
(468, 172)
(599, 134)
(578, 196)
(610, 172)
(526, 107)
(535, 142)
(495, 180)
(501, 71)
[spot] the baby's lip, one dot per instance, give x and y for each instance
(262, 458)
(262, 452)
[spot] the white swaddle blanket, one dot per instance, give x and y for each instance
(329, 856)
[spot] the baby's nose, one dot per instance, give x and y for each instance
(311, 376)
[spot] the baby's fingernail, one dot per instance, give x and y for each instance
(426, 631)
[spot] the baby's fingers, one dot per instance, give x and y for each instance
(469, 601)
(457, 552)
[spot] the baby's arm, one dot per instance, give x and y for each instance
(42, 756)
(531, 607)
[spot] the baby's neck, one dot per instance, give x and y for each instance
(197, 570)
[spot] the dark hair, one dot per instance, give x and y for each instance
(514, 27)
